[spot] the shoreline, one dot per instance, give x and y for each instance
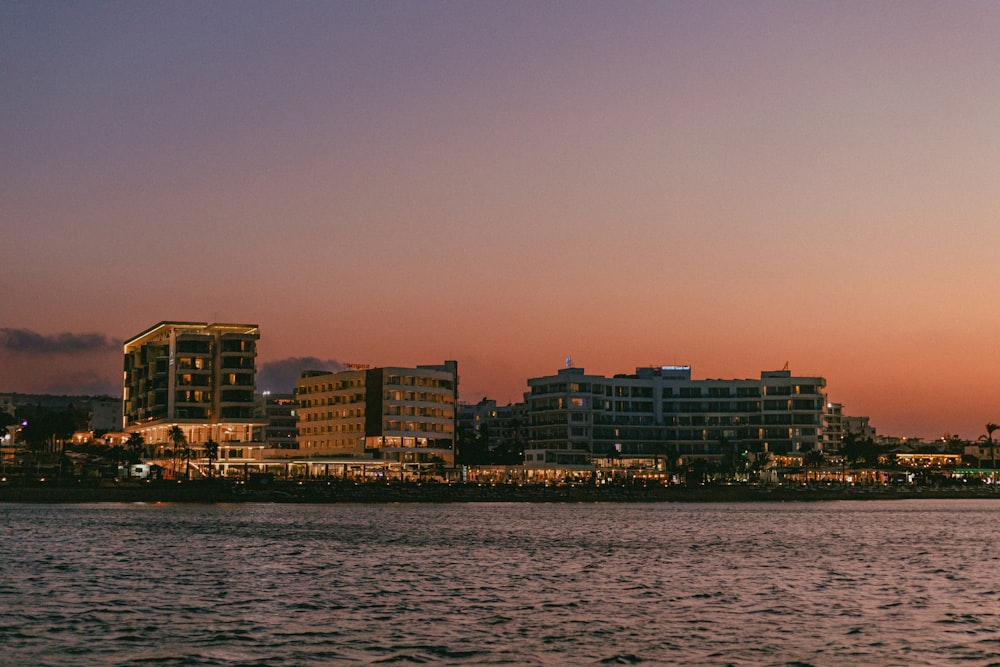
(347, 493)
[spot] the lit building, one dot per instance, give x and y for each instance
(396, 414)
(199, 377)
(577, 419)
(833, 426)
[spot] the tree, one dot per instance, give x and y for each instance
(177, 436)
(953, 443)
(729, 463)
(186, 454)
(697, 472)
(45, 424)
(857, 451)
(211, 453)
(813, 458)
(990, 427)
(471, 447)
(133, 447)
(119, 455)
(757, 465)
(660, 449)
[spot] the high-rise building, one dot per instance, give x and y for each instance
(577, 418)
(197, 376)
(393, 413)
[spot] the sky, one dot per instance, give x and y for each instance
(729, 185)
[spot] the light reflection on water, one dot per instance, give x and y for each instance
(863, 582)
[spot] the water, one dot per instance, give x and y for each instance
(840, 583)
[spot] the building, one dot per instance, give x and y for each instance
(199, 377)
(859, 427)
(833, 427)
(280, 411)
(662, 413)
(398, 414)
(105, 414)
(491, 432)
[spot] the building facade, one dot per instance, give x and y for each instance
(280, 411)
(859, 427)
(833, 427)
(398, 414)
(497, 433)
(197, 376)
(661, 412)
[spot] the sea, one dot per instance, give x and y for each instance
(898, 582)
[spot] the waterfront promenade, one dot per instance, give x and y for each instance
(223, 491)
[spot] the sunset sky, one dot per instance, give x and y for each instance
(730, 185)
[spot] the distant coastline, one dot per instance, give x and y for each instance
(322, 492)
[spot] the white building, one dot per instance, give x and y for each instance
(578, 419)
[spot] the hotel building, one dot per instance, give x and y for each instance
(199, 377)
(578, 419)
(398, 414)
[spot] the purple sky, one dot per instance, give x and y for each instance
(729, 185)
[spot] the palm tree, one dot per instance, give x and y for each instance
(990, 427)
(134, 446)
(186, 454)
(758, 464)
(814, 458)
(180, 443)
(119, 455)
(211, 453)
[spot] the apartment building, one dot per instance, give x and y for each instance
(579, 419)
(197, 376)
(833, 426)
(392, 413)
(281, 414)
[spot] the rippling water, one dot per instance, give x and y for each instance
(844, 583)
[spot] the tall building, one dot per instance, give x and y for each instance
(393, 413)
(833, 427)
(197, 376)
(577, 418)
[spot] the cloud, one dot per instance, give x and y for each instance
(279, 376)
(25, 341)
(84, 383)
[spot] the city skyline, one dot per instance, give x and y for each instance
(733, 187)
